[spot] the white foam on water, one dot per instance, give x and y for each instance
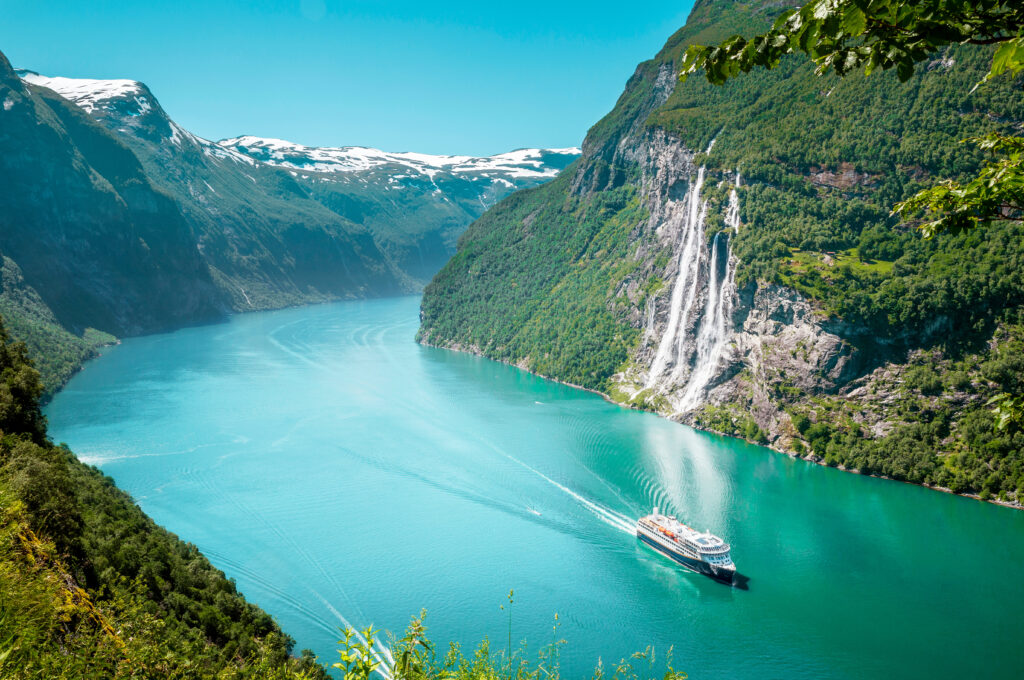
(610, 517)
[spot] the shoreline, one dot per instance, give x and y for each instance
(809, 458)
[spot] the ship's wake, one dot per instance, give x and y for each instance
(379, 652)
(612, 518)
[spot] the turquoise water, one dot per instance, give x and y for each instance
(342, 473)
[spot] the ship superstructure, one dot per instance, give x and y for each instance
(702, 552)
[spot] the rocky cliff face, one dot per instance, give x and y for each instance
(705, 342)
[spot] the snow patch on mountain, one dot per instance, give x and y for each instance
(86, 92)
(522, 163)
(98, 97)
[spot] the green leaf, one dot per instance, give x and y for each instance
(904, 69)
(1009, 57)
(854, 21)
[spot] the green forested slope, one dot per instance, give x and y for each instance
(822, 162)
(567, 251)
(825, 159)
(90, 587)
(56, 352)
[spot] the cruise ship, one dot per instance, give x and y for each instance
(701, 552)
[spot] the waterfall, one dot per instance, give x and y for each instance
(704, 288)
(698, 265)
(713, 336)
(732, 215)
(687, 279)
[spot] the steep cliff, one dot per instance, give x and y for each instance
(725, 256)
(98, 243)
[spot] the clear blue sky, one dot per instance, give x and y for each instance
(475, 77)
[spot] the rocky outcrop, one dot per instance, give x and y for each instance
(844, 177)
(778, 339)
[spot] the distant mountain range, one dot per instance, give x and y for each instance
(113, 217)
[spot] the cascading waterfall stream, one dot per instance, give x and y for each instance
(732, 215)
(685, 273)
(687, 279)
(691, 298)
(713, 336)
(713, 302)
(713, 333)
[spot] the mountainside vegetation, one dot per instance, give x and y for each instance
(566, 252)
(415, 206)
(823, 160)
(56, 351)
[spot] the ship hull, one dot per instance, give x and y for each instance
(718, 574)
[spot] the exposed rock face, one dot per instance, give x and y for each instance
(705, 341)
(778, 338)
(844, 177)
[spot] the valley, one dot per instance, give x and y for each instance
(263, 400)
(260, 224)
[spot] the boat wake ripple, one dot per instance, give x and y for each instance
(380, 652)
(611, 517)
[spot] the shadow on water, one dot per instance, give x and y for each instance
(740, 582)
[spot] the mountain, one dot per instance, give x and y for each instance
(413, 206)
(87, 240)
(266, 243)
(725, 256)
(152, 227)
(416, 205)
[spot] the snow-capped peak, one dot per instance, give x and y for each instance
(97, 97)
(519, 163)
(85, 92)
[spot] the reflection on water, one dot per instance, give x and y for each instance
(345, 475)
